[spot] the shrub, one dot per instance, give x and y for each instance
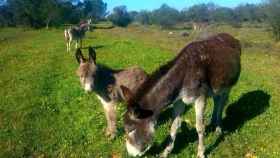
(273, 13)
(120, 16)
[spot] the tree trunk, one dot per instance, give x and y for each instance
(48, 23)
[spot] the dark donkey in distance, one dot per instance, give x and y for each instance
(105, 82)
(207, 68)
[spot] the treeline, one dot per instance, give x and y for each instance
(167, 16)
(45, 13)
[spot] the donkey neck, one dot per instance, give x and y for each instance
(84, 27)
(164, 86)
(104, 77)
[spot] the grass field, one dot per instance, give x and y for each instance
(45, 113)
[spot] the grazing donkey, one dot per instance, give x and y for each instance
(203, 68)
(105, 82)
(198, 26)
(76, 33)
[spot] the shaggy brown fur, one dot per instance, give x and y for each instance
(203, 68)
(105, 82)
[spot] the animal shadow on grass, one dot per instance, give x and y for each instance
(247, 107)
(168, 114)
(98, 46)
(94, 47)
(185, 133)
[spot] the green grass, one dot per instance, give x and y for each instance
(45, 113)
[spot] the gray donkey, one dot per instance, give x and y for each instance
(76, 33)
(105, 82)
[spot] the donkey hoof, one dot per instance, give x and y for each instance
(200, 152)
(163, 155)
(111, 135)
(200, 156)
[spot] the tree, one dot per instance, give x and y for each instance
(43, 13)
(69, 13)
(165, 16)
(6, 17)
(199, 13)
(223, 14)
(49, 11)
(133, 15)
(246, 12)
(120, 16)
(35, 13)
(273, 14)
(144, 17)
(95, 9)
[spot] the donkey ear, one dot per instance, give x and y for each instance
(92, 55)
(134, 109)
(79, 56)
(127, 94)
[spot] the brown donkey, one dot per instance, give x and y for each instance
(203, 68)
(105, 82)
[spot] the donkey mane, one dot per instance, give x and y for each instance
(155, 76)
(105, 76)
(189, 50)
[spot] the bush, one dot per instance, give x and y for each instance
(143, 17)
(120, 16)
(166, 16)
(273, 13)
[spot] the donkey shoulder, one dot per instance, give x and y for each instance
(131, 77)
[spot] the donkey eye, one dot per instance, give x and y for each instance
(129, 128)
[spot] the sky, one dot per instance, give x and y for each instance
(178, 4)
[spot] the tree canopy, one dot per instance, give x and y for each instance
(120, 16)
(42, 13)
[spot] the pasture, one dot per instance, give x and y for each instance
(45, 113)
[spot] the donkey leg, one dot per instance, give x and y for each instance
(110, 113)
(69, 46)
(178, 110)
(200, 127)
(219, 103)
(76, 44)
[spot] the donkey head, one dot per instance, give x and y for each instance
(87, 69)
(85, 25)
(139, 126)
